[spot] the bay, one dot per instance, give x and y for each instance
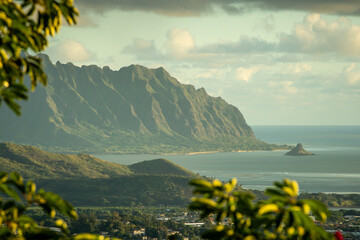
(335, 167)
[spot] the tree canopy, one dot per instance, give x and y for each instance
(25, 26)
(281, 216)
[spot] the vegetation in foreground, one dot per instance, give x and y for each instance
(234, 213)
(26, 25)
(281, 216)
(20, 195)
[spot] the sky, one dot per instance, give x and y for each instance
(281, 62)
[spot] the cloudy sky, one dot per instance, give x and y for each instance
(281, 62)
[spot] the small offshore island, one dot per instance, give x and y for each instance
(299, 151)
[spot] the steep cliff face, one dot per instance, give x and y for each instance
(94, 107)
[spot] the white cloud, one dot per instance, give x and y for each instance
(298, 68)
(315, 35)
(288, 87)
(214, 73)
(282, 89)
(266, 23)
(198, 7)
(85, 21)
(314, 38)
(142, 48)
(142, 44)
(71, 51)
(245, 74)
(179, 43)
(352, 74)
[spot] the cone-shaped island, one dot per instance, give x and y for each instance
(299, 151)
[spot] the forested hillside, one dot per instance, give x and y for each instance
(88, 181)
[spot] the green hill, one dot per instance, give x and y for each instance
(32, 162)
(88, 181)
(132, 110)
(147, 190)
(160, 166)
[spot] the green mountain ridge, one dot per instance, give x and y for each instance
(34, 163)
(31, 162)
(88, 181)
(160, 166)
(132, 110)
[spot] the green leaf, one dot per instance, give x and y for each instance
(54, 201)
(273, 192)
(200, 183)
(22, 32)
(318, 209)
(9, 191)
(8, 205)
(212, 234)
(88, 236)
(3, 177)
(13, 106)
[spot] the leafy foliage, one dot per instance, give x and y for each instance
(15, 224)
(25, 25)
(281, 216)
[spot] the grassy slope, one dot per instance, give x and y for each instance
(160, 166)
(88, 181)
(32, 162)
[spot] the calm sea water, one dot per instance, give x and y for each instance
(334, 168)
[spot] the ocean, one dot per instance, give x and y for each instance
(335, 167)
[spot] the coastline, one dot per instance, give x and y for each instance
(189, 153)
(193, 153)
(238, 151)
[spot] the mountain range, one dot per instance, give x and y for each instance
(132, 110)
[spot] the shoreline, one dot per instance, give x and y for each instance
(189, 153)
(164, 154)
(238, 151)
